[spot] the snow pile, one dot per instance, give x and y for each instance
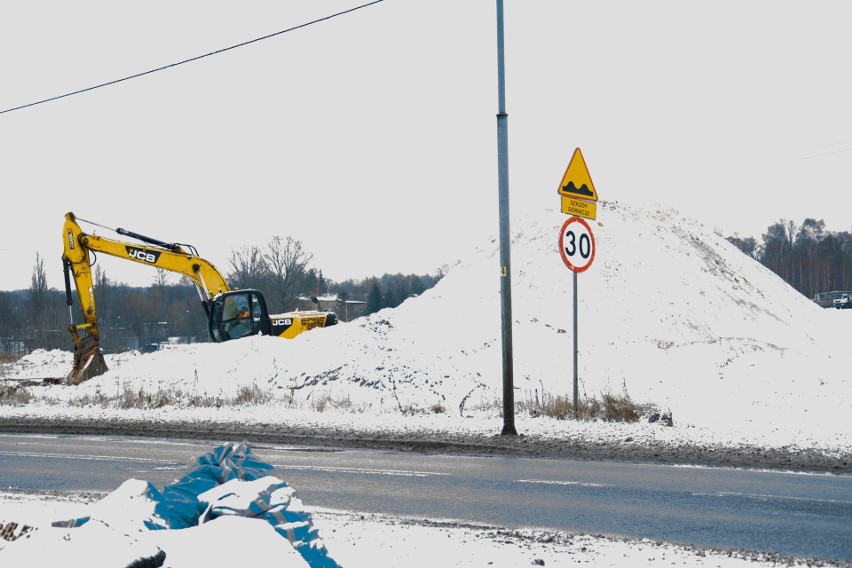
(357, 540)
(54, 364)
(229, 492)
(670, 313)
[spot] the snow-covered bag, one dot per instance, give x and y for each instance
(229, 493)
(274, 501)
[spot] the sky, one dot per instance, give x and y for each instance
(371, 137)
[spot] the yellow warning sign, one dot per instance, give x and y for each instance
(579, 208)
(576, 182)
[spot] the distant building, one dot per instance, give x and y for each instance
(346, 310)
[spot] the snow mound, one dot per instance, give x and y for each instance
(670, 314)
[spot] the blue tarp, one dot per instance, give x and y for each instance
(245, 488)
(183, 503)
(179, 505)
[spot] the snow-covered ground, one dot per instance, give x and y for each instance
(352, 539)
(670, 314)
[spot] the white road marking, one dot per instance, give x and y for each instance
(554, 482)
(367, 471)
(78, 457)
(764, 497)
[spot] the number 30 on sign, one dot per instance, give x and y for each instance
(577, 244)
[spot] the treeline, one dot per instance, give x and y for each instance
(807, 256)
(282, 270)
(131, 316)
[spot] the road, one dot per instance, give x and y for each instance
(794, 514)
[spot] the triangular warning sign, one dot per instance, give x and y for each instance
(576, 182)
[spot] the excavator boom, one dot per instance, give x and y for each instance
(77, 262)
(231, 313)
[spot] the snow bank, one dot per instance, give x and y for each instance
(227, 499)
(670, 313)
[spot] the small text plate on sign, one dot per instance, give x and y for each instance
(577, 244)
(579, 208)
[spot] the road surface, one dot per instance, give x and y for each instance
(795, 514)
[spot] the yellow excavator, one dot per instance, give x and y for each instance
(231, 314)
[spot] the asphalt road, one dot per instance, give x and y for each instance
(793, 514)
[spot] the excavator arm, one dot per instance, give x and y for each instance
(77, 262)
(231, 314)
(157, 254)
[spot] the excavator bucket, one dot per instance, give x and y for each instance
(88, 362)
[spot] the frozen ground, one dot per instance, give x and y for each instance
(670, 314)
(354, 540)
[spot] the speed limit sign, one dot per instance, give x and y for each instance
(577, 244)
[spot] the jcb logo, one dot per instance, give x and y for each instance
(143, 255)
(285, 322)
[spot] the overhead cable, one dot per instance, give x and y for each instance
(191, 59)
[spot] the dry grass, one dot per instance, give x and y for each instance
(204, 401)
(610, 407)
(140, 398)
(252, 395)
(12, 395)
(325, 402)
(620, 408)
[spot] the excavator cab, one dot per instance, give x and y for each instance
(238, 313)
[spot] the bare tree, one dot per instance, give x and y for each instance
(288, 264)
(777, 250)
(808, 238)
(161, 278)
(38, 302)
(44, 312)
(38, 288)
(790, 233)
(248, 268)
(103, 290)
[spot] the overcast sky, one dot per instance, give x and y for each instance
(372, 137)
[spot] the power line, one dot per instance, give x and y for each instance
(191, 59)
(829, 145)
(827, 154)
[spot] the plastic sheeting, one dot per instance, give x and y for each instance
(230, 481)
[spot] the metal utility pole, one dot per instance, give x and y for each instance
(505, 264)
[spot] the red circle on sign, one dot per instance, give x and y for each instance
(571, 248)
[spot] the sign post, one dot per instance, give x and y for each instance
(576, 240)
(577, 248)
(576, 350)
